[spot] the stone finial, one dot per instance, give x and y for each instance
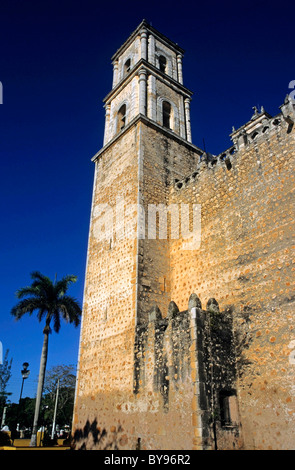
(194, 301)
(173, 310)
(255, 112)
(212, 306)
(155, 314)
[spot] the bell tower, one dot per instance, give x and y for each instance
(147, 145)
(147, 81)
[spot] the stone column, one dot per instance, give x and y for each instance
(169, 68)
(151, 50)
(107, 123)
(182, 120)
(143, 43)
(179, 68)
(151, 97)
(187, 119)
(142, 91)
(115, 73)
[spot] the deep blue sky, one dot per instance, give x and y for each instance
(55, 69)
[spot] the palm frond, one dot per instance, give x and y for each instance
(62, 286)
(70, 309)
(56, 321)
(25, 306)
(25, 291)
(40, 286)
(43, 311)
(37, 276)
(43, 284)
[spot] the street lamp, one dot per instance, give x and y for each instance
(25, 374)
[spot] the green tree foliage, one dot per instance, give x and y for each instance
(52, 303)
(67, 380)
(23, 413)
(5, 374)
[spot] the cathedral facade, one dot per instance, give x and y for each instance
(187, 338)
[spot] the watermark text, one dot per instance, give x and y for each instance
(155, 221)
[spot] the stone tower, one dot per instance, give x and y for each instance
(147, 144)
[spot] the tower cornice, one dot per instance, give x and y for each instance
(150, 123)
(151, 69)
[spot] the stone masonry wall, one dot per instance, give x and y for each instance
(246, 260)
(107, 337)
(163, 159)
(183, 361)
(187, 360)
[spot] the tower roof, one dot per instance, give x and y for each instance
(145, 25)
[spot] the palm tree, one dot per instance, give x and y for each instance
(51, 302)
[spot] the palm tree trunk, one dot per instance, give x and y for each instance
(42, 370)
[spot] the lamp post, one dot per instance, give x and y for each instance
(25, 374)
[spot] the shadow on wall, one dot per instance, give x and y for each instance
(91, 436)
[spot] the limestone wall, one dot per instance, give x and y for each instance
(107, 335)
(246, 260)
